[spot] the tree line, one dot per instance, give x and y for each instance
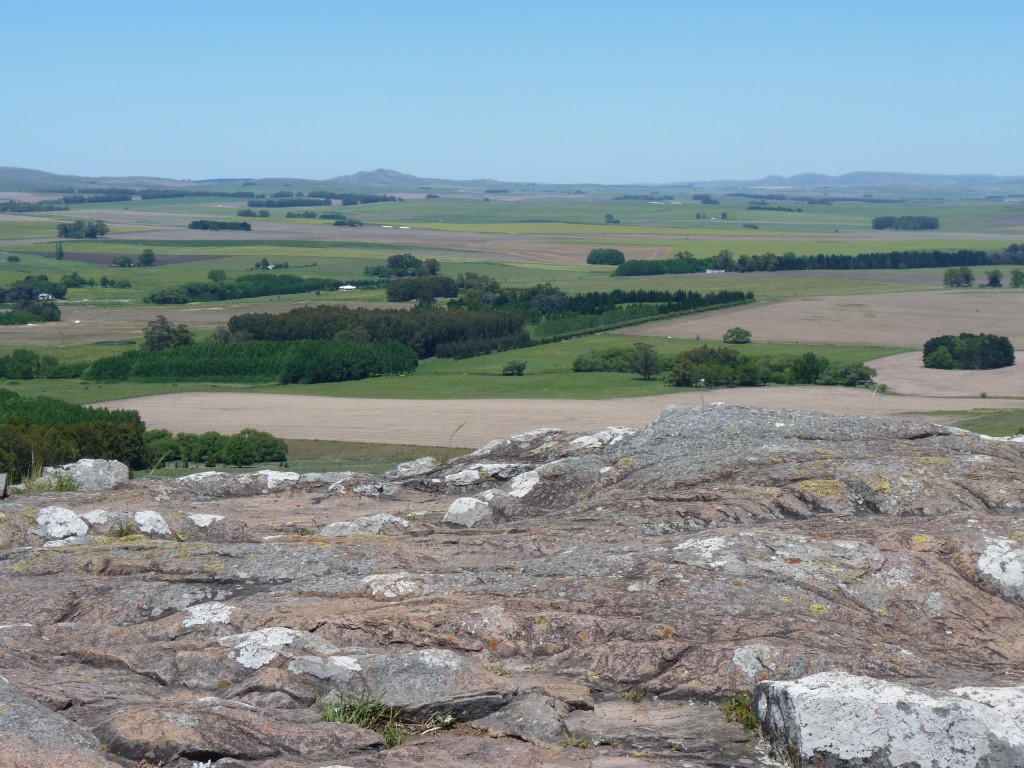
(38, 432)
(297, 362)
(215, 225)
(80, 230)
(428, 332)
(42, 431)
(354, 198)
(905, 222)
(112, 198)
(716, 367)
(687, 263)
(289, 202)
(242, 287)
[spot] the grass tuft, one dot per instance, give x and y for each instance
(739, 708)
(367, 712)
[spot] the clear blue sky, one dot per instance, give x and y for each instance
(519, 91)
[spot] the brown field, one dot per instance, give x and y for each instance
(907, 375)
(472, 423)
(87, 324)
(885, 319)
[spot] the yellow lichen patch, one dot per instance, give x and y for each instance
(882, 486)
(824, 452)
(818, 608)
(823, 488)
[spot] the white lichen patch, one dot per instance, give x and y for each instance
(467, 512)
(180, 719)
(345, 662)
(97, 517)
(707, 550)
(205, 521)
(152, 522)
(521, 485)
(1002, 565)
(440, 657)
(273, 479)
(257, 649)
(753, 660)
(60, 523)
(208, 613)
(391, 586)
(465, 477)
(606, 436)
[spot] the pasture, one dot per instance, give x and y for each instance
(521, 238)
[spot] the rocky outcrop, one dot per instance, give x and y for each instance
(551, 599)
(90, 474)
(833, 719)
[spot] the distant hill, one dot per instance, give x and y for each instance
(30, 180)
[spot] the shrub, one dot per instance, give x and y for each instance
(737, 336)
(514, 368)
(611, 256)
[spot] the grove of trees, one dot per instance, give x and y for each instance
(968, 351)
(611, 256)
(79, 230)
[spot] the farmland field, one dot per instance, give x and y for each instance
(521, 238)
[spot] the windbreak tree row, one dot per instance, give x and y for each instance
(302, 362)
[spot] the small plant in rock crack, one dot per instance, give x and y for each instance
(126, 528)
(367, 712)
(739, 708)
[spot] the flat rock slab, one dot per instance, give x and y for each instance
(834, 720)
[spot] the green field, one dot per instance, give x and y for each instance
(527, 236)
(548, 374)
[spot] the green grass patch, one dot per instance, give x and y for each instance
(997, 423)
(366, 712)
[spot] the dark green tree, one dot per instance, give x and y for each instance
(958, 277)
(1017, 278)
(644, 360)
(163, 334)
(995, 278)
(147, 258)
(737, 336)
(217, 275)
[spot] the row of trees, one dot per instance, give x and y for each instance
(404, 265)
(716, 367)
(425, 289)
(209, 449)
(968, 351)
(904, 222)
(429, 332)
(687, 263)
(289, 202)
(30, 311)
(215, 225)
(297, 362)
(26, 364)
(80, 230)
(42, 431)
(242, 287)
(963, 277)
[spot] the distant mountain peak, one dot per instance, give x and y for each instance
(379, 176)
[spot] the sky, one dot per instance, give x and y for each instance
(557, 92)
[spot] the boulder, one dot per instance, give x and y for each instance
(91, 474)
(35, 737)
(834, 719)
(374, 525)
(60, 523)
(467, 512)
